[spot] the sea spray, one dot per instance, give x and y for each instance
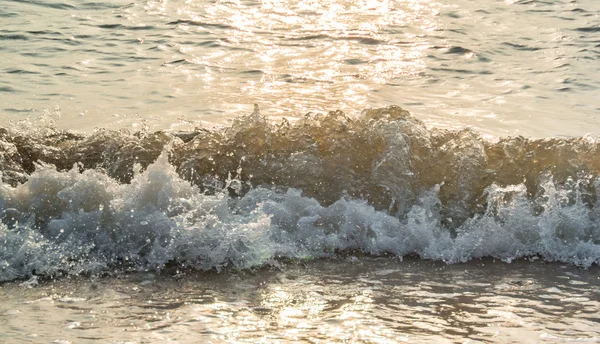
(257, 191)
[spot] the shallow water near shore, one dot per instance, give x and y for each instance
(254, 217)
(269, 171)
(352, 299)
(514, 67)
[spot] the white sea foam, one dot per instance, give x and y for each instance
(72, 222)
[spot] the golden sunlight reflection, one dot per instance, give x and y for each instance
(305, 55)
(368, 300)
(299, 310)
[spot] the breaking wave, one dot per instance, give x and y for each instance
(257, 192)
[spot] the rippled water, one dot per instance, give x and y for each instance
(328, 227)
(358, 300)
(502, 67)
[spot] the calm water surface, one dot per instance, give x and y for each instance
(501, 67)
(354, 300)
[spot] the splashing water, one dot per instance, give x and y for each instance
(258, 192)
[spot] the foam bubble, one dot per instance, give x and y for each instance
(256, 193)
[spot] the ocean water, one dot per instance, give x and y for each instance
(504, 68)
(349, 300)
(270, 171)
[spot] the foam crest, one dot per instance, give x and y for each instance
(258, 192)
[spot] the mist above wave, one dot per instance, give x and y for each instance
(257, 191)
